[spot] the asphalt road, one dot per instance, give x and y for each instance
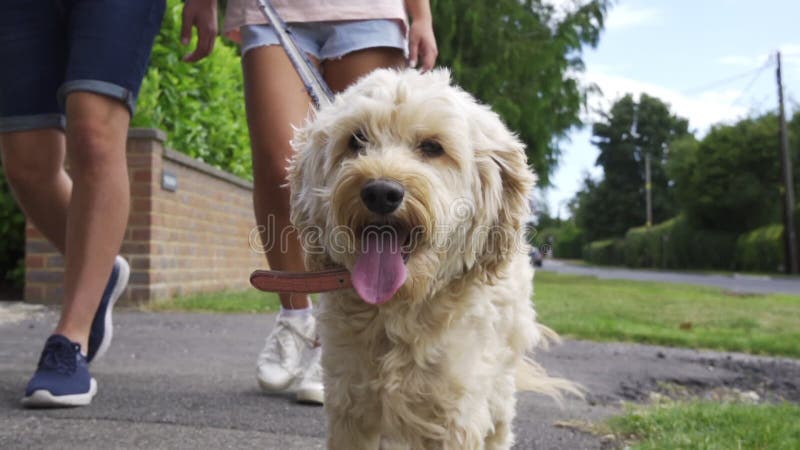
(744, 283)
(186, 381)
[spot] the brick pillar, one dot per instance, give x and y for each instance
(145, 159)
(43, 268)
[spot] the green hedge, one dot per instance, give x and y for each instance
(669, 245)
(684, 247)
(565, 241)
(610, 252)
(646, 247)
(201, 105)
(761, 249)
(674, 244)
(12, 243)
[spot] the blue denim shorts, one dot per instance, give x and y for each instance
(330, 40)
(50, 48)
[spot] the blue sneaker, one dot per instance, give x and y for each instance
(102, 327)
(62, 377)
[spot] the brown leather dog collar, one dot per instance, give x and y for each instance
(300, 282)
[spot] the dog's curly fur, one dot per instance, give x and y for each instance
(437, 366)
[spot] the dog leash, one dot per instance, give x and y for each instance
(320, 93)
(315, 85)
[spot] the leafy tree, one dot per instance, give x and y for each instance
(520, 58)
(794, 148)
(603, 210)
(729, 181)
(624, 135)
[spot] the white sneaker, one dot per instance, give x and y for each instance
(310, 389)
(280, 362)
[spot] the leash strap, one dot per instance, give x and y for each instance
(300, 282)
(315, 85)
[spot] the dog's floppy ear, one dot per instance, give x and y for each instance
(305, 173)
(307, 159)
(505, 185)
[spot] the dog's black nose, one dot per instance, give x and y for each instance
(382, 196)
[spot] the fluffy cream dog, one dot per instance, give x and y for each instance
(421, 193)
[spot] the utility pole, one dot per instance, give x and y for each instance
(648, 189)
(648, 185)
(789, 232)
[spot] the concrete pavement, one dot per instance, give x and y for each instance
(186, 381)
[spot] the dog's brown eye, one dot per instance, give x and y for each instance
(357, 141)
(431, 148)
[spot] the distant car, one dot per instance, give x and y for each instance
(536, 257)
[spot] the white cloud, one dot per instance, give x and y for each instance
(702, 109)
(565, 6)
(790, 54)
(618, 16)
(743, 61)
(626, 16)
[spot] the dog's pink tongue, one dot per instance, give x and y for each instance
(379, 272)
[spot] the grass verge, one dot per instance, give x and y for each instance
(668, 314)
(249, 301)
(613, 310)
(706, 425)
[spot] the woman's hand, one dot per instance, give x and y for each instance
(421, 40)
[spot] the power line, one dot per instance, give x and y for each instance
(725, 81)
(750, 84)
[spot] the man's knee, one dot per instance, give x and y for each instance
(93, 146)
(96, 130)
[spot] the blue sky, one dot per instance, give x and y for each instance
(679, 51)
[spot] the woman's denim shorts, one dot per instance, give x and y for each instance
(51, 48)
(330, 40)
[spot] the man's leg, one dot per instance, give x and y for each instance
(98, 212)
(34, 166)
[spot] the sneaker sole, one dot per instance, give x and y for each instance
(311, 396)
(108, 323)
(271, 388)
(44, 399)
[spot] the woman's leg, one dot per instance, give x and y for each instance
(342, 72)
(276, 100)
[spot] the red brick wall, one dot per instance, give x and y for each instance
(196, 239)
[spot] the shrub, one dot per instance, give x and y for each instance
(675, 244)
(609, 252)
(12, 229)
(565, 240)
(761, 249)
(201, 105)
(645, 247)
